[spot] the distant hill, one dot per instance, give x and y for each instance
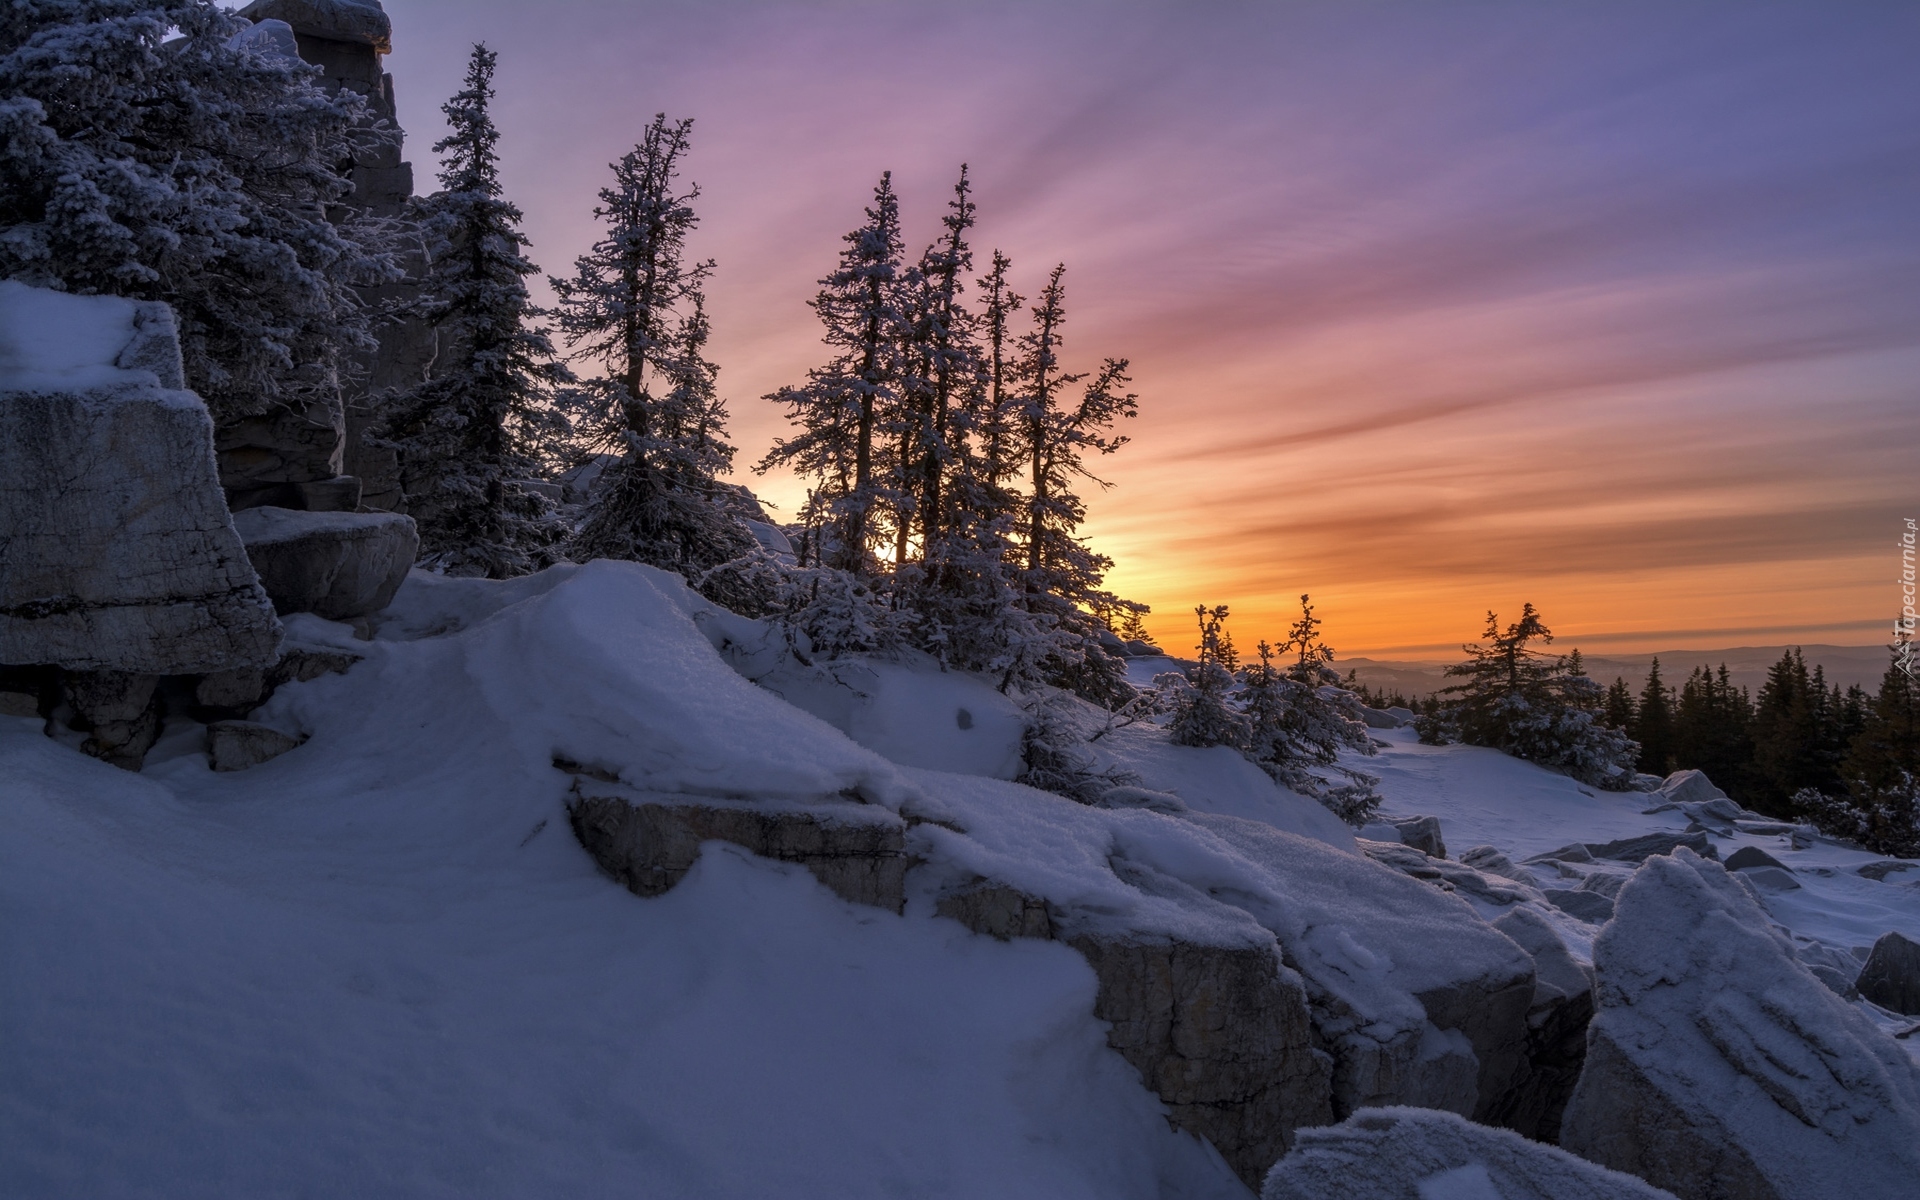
(1747, 665)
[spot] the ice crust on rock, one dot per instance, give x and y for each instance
(1719, 1066)
(116, 549)
(1421, 1154)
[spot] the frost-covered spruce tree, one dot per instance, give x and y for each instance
(467, 436)
(1054, 433)
(1532, 705)
(633, 306)
(847, 405)
(149, 149)
(1301, 720)
(1201, 697)
(964, 593)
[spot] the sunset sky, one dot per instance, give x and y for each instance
(1432, 307)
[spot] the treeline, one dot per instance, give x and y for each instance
(1845, 759)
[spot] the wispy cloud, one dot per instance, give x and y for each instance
(1431, 306)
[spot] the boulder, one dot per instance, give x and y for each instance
(1448, 876)
(1753, 856)
(1719, 1068)
(359, 21)
(649, 842)
(334, 565)
(1604, 883)
(1574, 853)
(1639, 849)
(1221, 1033)
(1891, 977)
(1421, 1154)
(1422, 833)
(1578, 902)
(1379, 718)
(116, 549)
(1688, 787)
(237, 745)
(1880, 870)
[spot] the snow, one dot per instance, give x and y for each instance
(1483, 797)
(1401, 1153)
(380, 966)
(911, 713)
(52, 341)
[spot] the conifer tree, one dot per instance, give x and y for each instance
(1620, 709)
(1652, 724)
(1711, 731)
(1531, 705)
(1791, 735)
(1055, 434)
(1300, 721)
(1202, 714)
(467, 436)
(635, 306)
(1880, 806)
(149, 149)
(845, 406)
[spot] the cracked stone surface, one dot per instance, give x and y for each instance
(116, 549)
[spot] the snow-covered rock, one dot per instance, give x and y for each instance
(1689, 786)
(360, 21)
(650, 842)
(333, 564)
(1419, 1154)
(1753, 856)
(1422, 833)
(1719, 1067)
(116, 550)
(1891, 977)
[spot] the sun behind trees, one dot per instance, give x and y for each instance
(917, 435)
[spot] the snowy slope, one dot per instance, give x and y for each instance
(380, 966)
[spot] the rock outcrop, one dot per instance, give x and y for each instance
(1421, 1154)
(116, 550)
(1719, 1068)
(334, 565)
(1221, 1033)
(649, 842)
(346, 39)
